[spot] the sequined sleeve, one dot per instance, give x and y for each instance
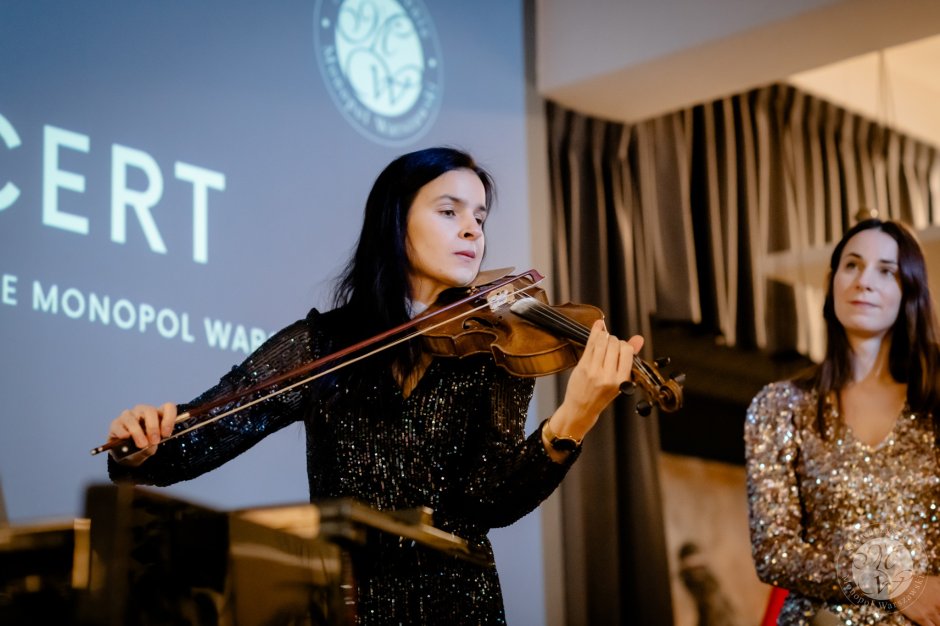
(781, 554)
(205, 449)
(513, 473)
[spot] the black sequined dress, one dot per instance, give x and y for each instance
(456, 444)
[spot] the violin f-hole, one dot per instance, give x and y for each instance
(473, 322)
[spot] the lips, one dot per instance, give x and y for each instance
(470, 254)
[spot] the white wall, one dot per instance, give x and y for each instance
(634, 60)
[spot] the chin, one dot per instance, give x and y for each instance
(464, 277)
(866, 332)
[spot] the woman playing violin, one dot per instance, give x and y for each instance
(401, 429)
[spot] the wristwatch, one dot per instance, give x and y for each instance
(560, 443)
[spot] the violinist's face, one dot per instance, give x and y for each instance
(866, 289)
(445, 234)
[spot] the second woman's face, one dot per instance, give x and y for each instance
(866, 287)
(444, 236)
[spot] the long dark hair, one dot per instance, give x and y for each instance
(913, 356)
(373, 290)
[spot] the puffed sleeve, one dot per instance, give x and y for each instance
(206, 448)
(782, 556)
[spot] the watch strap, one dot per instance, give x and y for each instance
(561, 443)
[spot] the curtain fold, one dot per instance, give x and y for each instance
(720, 215)
(610, 495)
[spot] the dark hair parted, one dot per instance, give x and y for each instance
(913, 356)
(374, 288)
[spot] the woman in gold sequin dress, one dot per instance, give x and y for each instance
(400, 429)
(842, 465)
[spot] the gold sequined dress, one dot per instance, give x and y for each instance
(456, 444)
(825, 511)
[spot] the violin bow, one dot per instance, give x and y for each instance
(124, 447)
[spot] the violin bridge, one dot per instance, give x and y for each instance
(500, 298)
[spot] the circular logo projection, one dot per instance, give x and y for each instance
(381, 62)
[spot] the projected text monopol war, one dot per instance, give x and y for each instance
(123, 314)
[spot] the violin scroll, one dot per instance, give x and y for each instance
(666, 392)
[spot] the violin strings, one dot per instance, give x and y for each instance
(562, 323)
(666, 395)
(577, 331)
(581, 330)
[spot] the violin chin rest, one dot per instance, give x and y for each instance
(485, 277)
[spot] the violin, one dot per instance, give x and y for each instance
(529, 337)
(509, 317)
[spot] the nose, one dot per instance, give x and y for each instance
(471, 229)
(863, 282)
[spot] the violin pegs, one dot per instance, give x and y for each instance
(627, 387)
(662, 361)
(679, 378)
(643, 408)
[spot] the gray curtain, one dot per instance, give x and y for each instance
(721, 215)
(614, 550)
